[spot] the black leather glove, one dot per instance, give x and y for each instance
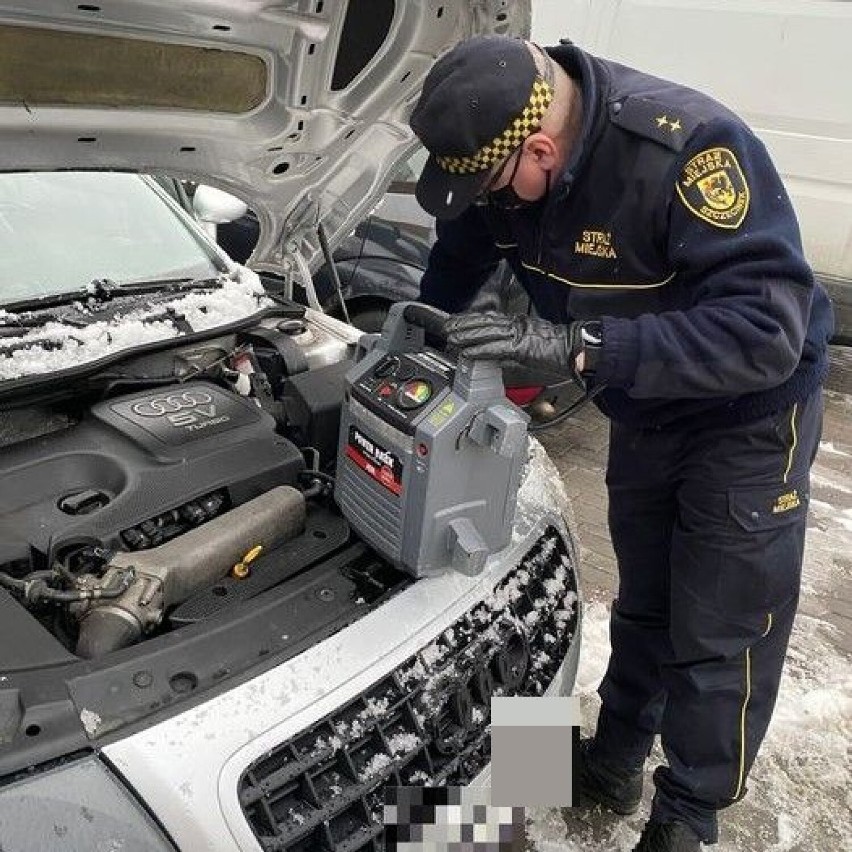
(526, 340)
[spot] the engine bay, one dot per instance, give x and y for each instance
(194, 482)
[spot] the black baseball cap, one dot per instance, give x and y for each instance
(478, 104)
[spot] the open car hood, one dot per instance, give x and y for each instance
(298, 107)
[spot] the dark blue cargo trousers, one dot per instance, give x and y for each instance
(708, 527)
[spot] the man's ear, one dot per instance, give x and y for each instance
(542, 149)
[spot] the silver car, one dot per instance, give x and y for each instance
(198, 651)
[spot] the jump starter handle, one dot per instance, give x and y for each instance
(430, 319)
(406, 329)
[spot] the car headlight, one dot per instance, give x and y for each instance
(75, 807)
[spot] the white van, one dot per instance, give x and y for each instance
(783, 65)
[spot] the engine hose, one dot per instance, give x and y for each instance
(119, 583)
(34, 587)
(318, 483)
(316, 489)
(24, 585)
(317, 474)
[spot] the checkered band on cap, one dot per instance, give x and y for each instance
(501, 146)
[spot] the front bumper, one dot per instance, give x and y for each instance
(253, 768)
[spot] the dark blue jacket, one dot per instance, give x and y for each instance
(670, 224)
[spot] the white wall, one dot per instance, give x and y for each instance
(784, 65)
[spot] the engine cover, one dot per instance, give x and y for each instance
(133, 458)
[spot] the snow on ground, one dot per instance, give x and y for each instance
(799, 795)
(828, 447)
(798, 798)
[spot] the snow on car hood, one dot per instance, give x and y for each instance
(299, 107)
(56, 346)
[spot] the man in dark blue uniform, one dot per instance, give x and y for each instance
(663, 258)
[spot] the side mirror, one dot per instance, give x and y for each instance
(216, 207)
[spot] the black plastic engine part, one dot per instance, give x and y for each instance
(278, 355)
(26, 643)
(168, 525)
(324, 533)
(313, 401)
(15, 555)
(144, 454)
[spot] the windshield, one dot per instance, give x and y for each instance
(61, 230)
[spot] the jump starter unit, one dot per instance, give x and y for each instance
(431, 452)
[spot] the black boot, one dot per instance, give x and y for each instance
(599, 782)
(667, 837)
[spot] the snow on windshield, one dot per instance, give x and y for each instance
(58, 346)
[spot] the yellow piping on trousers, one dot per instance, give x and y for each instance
(795, 441)
(741, 776)
(768, 625)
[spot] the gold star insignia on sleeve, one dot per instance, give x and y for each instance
(662, 120)
(675, 125)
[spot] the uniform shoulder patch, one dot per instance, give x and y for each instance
(713, 187)
(648, 118)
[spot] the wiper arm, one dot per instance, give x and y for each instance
(35, 313)
(102, 290)
(99, 290)
(19, 322)
(13, 325)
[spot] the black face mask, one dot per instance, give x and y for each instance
(507, 200)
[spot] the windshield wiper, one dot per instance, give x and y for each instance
(103, 290)
(13, 325)
(101, 300)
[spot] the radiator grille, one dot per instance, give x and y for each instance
(427, 722)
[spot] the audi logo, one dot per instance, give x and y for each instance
(157, 406)
(451, 721)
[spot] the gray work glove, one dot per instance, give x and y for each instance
(526, 340)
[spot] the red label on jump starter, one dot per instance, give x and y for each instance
(377, 462)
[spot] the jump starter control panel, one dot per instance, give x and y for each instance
(400, 386)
